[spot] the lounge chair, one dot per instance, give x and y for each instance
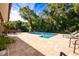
(75, 42)
(70, 35)
(74, 33)
(73, 36)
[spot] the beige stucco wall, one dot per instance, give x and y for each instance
(4, 10)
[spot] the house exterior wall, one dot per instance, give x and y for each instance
(4, 9)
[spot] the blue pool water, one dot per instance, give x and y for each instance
(44, 35)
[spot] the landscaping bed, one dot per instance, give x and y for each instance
(4, 44)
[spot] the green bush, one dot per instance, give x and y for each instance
(10, 40)
(16, 25)
(4, 41)
(10, 25)
(23, 26)
(2, 47)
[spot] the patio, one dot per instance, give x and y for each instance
(48, 47)
(20, 48)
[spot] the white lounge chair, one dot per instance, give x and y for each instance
(73, 36)
(75, 41)
(70, 35)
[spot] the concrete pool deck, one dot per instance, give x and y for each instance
(21, 48)
(48, 47)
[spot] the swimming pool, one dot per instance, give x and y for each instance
(44, 35)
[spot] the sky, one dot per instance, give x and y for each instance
(37, 7)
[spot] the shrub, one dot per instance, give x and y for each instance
(4, 41)
(2, 44)
(23, 26)
(10, 25)
(10, 40)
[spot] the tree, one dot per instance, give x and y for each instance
(64, 16)
(59, 18)
(28, 15)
